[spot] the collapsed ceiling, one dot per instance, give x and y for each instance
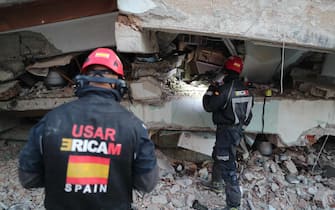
(171, 70)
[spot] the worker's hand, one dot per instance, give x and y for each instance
(212, 87)
(217, 83)
(213, 90)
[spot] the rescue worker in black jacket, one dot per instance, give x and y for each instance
(230, 103)
(90, 153)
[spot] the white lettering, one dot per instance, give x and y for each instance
(77, 145)
(84, 189)
(90, 145)
(95, 146)
(85, 145)
(77, 187)
(102, 148)
(103, 188)
(87, 189)
(95, 188)
(68, 188)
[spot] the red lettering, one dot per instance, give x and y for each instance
(114, 149)
(75, 132)
(99, 133)
(110, 134)
(88, 131)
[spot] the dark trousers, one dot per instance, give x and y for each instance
(224, 167)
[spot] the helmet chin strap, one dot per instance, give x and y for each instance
(83, 80)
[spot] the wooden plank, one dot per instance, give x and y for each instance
(50, 11)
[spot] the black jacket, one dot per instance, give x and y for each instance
(230, 103)
(89, 154)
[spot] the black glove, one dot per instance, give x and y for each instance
(212, 87)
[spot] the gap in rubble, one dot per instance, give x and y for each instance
(324, 151)
(167, 142)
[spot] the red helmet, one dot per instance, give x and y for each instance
(105, 57)
(234, 63)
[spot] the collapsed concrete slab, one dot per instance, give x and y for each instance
(34, 104)
(133, 40)
(9, 90)
(201, 142)
(146, 88)
(11, 69)
(63, 37)
(295, 23)
(25, 44)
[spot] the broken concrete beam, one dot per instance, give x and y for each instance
(10, 69)
(160, 69)
(34, 104)
(323, 91)
(25, 44)
(5, 75)
(129, 38)
(201, 142)
(10, 46)
(210, 56)
(41, 68)
(146, 88)
(253, 21)
(165, 42)
(9, 90)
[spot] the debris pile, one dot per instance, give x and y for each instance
(9, 90)
(39, 90)
(289, 178)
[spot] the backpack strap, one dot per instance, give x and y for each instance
(229, 95)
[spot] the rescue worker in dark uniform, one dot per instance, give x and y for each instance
(230, 103)
(90, 153)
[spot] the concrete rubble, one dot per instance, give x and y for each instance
(161, 79)
(131, 39)
(9, 90)
(17, 48)
(145, 89)
(161, 82)
(284, 180)
(39, 90)
(183, 72)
